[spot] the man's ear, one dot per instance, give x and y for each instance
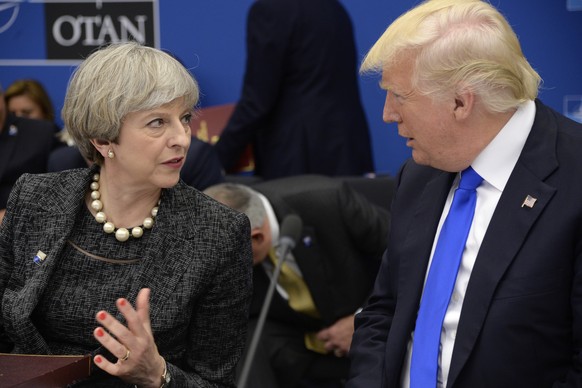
(259, 244)
(464, 104)
(257, 236)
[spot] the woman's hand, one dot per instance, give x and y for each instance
(138, 360)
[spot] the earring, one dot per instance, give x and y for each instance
(110, 154)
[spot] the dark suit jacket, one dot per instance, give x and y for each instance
(201, 169)
(338, 253)
(197, 264)
(521, 322)
(300, 106)
(25, 146)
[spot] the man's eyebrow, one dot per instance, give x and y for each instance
(384, 85)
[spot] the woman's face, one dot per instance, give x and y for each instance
(24, 106)
(152, 146)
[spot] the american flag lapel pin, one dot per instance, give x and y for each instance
(39, 257)
(529, 201)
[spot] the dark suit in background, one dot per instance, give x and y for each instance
(25, 146)
(300, 106)
(342, 239)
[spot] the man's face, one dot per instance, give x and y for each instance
(262, 241)
(428, 125)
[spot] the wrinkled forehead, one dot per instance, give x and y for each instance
(398, 76)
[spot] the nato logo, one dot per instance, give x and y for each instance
(573, 107)
(65, 31)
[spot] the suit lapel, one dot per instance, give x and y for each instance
(420, 237)
(415, 254)
(53, 232)
(165, 258)
(510, 224)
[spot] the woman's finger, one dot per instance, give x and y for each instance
(142, 306)
(113, 326)
(110, 343)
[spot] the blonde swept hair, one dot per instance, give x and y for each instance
(116, 80)
(459, 44)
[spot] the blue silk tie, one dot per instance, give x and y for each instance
(440, 282)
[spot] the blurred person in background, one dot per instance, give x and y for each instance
(300, 105)
(324, 281)
(25, 146)
(28, 98)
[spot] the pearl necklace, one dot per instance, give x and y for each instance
(121, 234)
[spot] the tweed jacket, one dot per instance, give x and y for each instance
(197, 264)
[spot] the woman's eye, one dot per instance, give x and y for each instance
(157, 123)
(187, 118)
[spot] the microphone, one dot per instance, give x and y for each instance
(290, 232)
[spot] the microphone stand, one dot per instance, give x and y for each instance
(287, 244)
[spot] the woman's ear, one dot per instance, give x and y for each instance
(102, 146)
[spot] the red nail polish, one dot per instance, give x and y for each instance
(101, 316)
(98, 360)
(122, 302)
(100, 332)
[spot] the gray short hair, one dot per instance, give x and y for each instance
(459, 44)
(116, 80)
(241, 198)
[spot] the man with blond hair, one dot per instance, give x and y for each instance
(481, 283)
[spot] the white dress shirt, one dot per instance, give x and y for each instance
(494, 164)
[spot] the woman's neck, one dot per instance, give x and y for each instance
(124, 205)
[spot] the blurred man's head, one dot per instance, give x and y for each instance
(246, 200)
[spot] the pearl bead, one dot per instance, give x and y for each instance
(97, 205)
(100, 217)
(137, 232)
(108, 227)
(148, 223)
(122, 234)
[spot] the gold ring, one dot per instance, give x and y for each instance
(124, 358)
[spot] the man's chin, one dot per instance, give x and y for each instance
(419, 159)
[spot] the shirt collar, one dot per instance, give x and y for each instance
(496, 162)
